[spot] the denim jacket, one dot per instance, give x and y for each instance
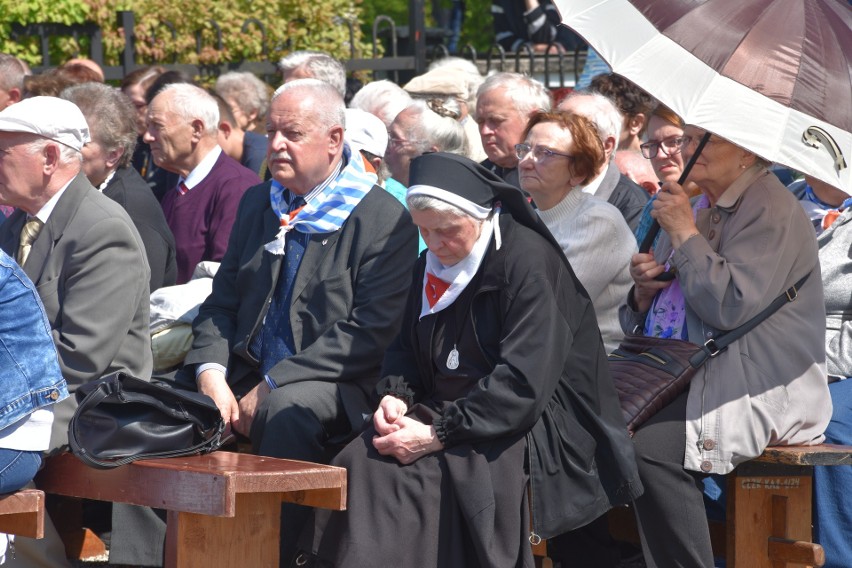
(30, 377)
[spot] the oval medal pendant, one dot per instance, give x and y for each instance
(453, 359)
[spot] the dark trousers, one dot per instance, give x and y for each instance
(671, 515)
(296, 422)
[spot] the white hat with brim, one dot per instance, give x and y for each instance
(50, 117)
(366, 131)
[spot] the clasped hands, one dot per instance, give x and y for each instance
(402, 437)
(238, 416)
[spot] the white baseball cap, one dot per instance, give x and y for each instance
(53, 118)
(365, 131)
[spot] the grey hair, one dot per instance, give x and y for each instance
(246, 90)
(193, 103)
(12, 72)
(603, 113)
(384, 99)
(443, 132)
(429, 203)
(319, 65)
(527, 94)
(328, 110)
(67, 154)
(110, 115)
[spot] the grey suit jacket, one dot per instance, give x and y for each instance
(624, 193)
(347, 299)
(89, 267)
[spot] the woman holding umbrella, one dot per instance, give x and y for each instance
(739, 246)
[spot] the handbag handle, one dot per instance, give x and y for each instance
(714, 346)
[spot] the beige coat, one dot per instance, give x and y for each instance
(769, 387)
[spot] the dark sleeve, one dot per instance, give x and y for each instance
(534, 344)
(352, 347)
(401, 368)
(542, 23)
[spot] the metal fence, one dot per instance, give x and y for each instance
(405, 54)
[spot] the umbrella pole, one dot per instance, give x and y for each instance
(651, 235)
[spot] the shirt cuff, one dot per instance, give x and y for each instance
(216, 366)
(270, 382)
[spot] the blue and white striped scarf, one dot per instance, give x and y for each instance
(327, 211)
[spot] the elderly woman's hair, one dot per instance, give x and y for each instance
(628, 97)
(245, 90)
(427, 202)
(12, 72)
(604, 114)
(588, 151)
(143, 77)
(665, 113)
(527, 94)
(443, 132)
(193, 103)
(384, 99)
(320, 65)
(110, 115)
(328, 110)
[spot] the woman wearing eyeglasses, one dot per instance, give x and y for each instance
(561, 152)
(741, 244)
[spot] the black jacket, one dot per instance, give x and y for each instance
(128, 189)
(536, 326)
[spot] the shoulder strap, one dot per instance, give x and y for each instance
(718, 344)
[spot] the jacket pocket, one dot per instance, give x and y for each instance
(764, 389)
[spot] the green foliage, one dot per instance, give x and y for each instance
(167, 30)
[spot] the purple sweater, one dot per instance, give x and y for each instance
(201, 220)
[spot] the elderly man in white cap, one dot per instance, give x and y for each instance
(83, 254)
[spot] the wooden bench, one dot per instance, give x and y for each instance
(22, 513)
(769, 509)
(224, 508)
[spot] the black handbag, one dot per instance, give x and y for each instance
(121, 419)
(650, 372)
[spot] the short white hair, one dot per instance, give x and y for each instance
(526, 94)
(193, 103)
(601, 111)
(443, 132)
(319, 65)
(384, 99)
(67, 154)
(329, 109)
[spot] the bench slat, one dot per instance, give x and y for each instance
(824, 454)
(22, 513)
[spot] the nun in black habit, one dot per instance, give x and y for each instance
(497, 421)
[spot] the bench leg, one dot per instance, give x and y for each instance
(769, 518)
(251, 538)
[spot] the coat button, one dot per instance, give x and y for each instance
(709, 334)
(709, 445)
(712, 234)
(706, 466)
(54, 395)
(715, 217)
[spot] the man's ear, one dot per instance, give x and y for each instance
(51, 154)
(225, 128)
(650, 187)
(335, 139)
(635, 123)
(15, 95)
(198, 129)
(610, 144)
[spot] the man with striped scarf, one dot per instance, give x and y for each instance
(309, 294)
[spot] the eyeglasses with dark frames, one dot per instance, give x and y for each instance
(539, 153)
(670, 146)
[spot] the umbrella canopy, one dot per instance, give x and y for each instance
(772, 76)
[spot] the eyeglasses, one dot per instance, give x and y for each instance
(539, 153)
(694, 140)
(670, 146)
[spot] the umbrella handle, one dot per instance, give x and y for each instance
(654, 229)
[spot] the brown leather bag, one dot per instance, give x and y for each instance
(650, 372)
